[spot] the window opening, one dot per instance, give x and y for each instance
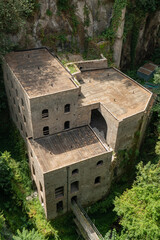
(97, 180)
(67, 125)
(74, 187)
(59, 192)
(40, 186)
(33, 169)
(67, 108)
(74, 199)
(19, 109)
(46, 130)
(45, 113)
(22, 102)
(59, 206)
(99, 163)
(75, 171)
(24, 118)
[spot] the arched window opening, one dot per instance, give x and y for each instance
(46, 130)
(45, 113)
(67, 108)
(74, 187)
(74, 199)
(97, 180)
(75, 171)
(99, 163)
(59, 207)
(98, 123)
(66, 125)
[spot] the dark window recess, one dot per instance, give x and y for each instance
(59, 192)
(22, 102)
(26, 134)
(97, 180)
(46, 130)
(16, 92)
(33, 169)
(74, 187)
(21, 127)
(41, 199)
(19, 109)
(67, 108)
(40, 186)
(45, 113)
(31, 154)
(24, 118)
(99, 163)
(59, 206)
(74, 199)
(75, 171)
(66, 125)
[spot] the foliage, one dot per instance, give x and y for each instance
(111, 235)
(147, 5)
(139, 207)
(28, 235)
(5, 173)
(110, 33)
(49, 12)
(157, 76)
(67, 7)
(12, 18)
(86, 15)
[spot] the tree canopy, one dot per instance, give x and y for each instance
(12, 17)
(139, 207)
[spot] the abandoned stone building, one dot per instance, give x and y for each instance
(73, 123)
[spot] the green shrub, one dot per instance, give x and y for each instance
(28, 235)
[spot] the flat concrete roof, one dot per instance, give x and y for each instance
(66, 148)
(39, 72)
(119, 94)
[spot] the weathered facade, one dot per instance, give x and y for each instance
(72, 123)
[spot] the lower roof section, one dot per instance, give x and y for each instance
(66, 148)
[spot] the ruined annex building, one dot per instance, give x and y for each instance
(73, 123)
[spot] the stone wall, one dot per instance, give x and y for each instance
(37, 174)
(112, 126)
(88, 191)
(55, 104)
(127, 130)
(18, 102)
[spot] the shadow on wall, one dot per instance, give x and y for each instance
(98, 123)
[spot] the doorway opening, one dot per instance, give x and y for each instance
(98, 123)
